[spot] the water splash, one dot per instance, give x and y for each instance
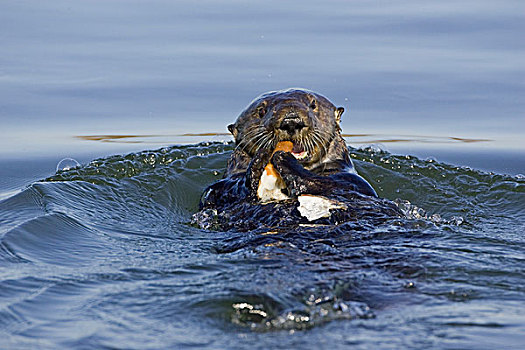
(413, 212)
(67, 164)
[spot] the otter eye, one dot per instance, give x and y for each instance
(313, 104)
(261, 111)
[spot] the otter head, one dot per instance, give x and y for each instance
(309, 120)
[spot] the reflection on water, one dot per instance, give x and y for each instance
(351, 138)
(146, 138)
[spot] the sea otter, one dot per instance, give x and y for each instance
(298, 133)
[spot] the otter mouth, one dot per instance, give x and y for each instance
(299, 152)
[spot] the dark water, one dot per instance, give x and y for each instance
(104, 256)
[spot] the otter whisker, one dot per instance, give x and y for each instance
(267, 142)
(270, 142)
(253, 134)
(257, 143)
(261, 140)
(317, 143)
(323, 142)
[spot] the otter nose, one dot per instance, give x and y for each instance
(292, 123)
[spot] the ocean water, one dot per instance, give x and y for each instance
(105, 256)
(139, 94)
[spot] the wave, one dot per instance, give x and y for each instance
(118, 230)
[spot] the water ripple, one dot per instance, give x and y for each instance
(104, 255)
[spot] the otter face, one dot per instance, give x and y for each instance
(308, 120)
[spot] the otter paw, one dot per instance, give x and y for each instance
(287, 164)
(298, 180)
(255, 170)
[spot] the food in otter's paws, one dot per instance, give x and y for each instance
(316, 207)
(271, 184)
(285, 146)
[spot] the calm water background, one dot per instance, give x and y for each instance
(413, 77)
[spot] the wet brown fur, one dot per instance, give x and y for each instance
(258, 126)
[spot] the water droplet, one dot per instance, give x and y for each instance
(410, 285)
(67, 164)
(374, 148)
(457, 220)
(436, 218)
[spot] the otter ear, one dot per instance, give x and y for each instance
(233, 130)
(338, 113)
